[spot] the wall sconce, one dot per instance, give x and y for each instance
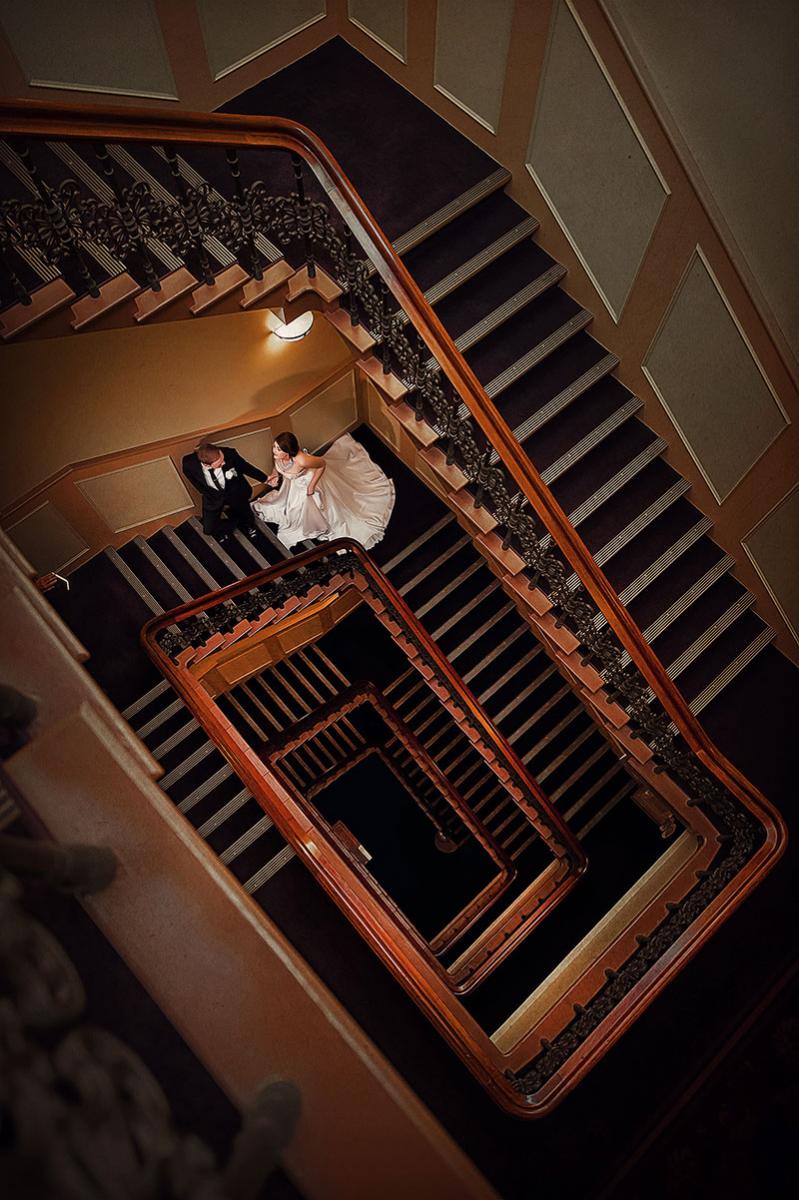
(290, 331)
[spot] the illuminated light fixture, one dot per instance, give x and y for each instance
(295, 330)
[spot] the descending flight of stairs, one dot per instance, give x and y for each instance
(506, 303)
(461, 604)
(500, 296)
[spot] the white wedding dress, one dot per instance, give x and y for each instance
(353, 498)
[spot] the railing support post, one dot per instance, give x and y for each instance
(245, 216)
(304, 215)
(128, 219)
(190, 214)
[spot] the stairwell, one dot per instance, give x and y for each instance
(502, 299)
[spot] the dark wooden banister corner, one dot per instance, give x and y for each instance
(34, 118)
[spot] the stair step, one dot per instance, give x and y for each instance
(548, 345)
(491, 589)
(503, 312)
(134, 582)
(159, 565)
(144, 701)
(188, 764)
(684, 602)
(626, 789)
(483, 258)
(221, 815)
(441, 558)
(268, 870)
(637, 526)
(448, 212)
(661, 563)
(734, 668)
(160, 752)
(705, 639)
(246, 839)
(417, 543)
(219, 551)
(609, 489)
(204, 789)
(597, 435)
(160, 718)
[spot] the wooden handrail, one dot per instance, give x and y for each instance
(42, 119)
(566, 844)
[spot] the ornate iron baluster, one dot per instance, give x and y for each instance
(8, 239)
(54, 226)
(385, 328)
(129, 235)
(187, 198)
(304, 216)
(243, 236)
(351, 273)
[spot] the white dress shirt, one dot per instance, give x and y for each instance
(214, 478)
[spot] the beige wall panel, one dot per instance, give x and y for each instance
(710, 383)
(472, 40)
(734, 100)
(132, 495)
(326, 416)
(46, 539)
(76, 398)
(255, 447)
(588, 159)
(236, 33)
(773, 547)
(378, 417)
(384, 20)
(89, 45)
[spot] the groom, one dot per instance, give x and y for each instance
(218, 473)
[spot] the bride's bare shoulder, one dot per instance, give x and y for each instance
(304, 459)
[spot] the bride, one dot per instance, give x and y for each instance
(342, 494)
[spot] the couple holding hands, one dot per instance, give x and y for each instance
(339, 494)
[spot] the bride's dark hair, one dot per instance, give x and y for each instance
(288, 444)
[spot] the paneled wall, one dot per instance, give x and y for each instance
(74, 486)
(663, 180)
(602, 116)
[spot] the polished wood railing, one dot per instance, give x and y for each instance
(520, 500)
(35, 119)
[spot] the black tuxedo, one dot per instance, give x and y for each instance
(234, 495)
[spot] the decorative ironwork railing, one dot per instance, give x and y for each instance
(336, 229)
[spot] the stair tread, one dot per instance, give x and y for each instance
(719, 654)
(599, 465)
(658, 537)
(523, 332)
(675, 581)
(462, 238)
(586, 414)
(630, 500)
(697, 618)
(495, 284)
(523, 399)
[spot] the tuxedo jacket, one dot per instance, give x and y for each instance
(235, 470)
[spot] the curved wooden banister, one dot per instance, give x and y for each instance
(42, 119)
(566, 843)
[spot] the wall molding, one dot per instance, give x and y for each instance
(699, 254)
(629, 49)
(794, 628)
(248, 58)
(615, 314)
(403, 58)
